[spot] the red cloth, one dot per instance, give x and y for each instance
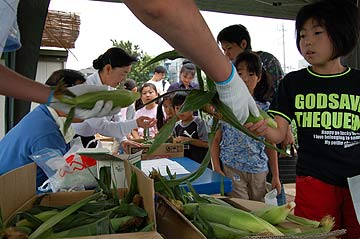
(315, 199)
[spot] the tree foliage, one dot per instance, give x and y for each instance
(138, 72)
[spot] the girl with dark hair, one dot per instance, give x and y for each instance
(322, 99)
(165, 111)
(187, 75)
(113, 67)
(148, 93)
(244, 159)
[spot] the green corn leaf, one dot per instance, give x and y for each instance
(171, 55)
(211, 84)
(197, 99)
(69, 119)
(200, 79)
(229, 117)
(164, 133)
(43, 228)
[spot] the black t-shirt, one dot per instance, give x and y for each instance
(326, 109)
(196, 130)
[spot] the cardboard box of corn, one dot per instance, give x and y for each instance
(105, 213)
(205, 216)
(237, 218)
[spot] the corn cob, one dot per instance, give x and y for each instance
(275, 214)
(43, 216)
(119, 97)
(326, 225)
(223, 232)
(302, 221)
(263, 115)
(231, 217)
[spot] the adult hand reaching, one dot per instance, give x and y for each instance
(234, 93)
(100, 109)
(145, 122)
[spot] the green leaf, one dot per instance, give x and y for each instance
(199, 78)
(43, 228)
(69, 119)
(197, 99)
(171, 55)
(229, 117)
(163, 135)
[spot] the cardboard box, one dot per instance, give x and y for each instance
(166, 150)
(116, 162)
(18, 193)
(169, 219)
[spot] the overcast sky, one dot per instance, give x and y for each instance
(102, 21)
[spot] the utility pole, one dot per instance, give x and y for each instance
(283, 40)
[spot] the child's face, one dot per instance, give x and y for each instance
(250, 78)
(186, 116)
(186, 78)
(315, 45)
(168, 108)
(231, 49)
(148, 94)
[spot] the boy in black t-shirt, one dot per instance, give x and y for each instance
(190, 130)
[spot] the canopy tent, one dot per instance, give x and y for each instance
(32, 16)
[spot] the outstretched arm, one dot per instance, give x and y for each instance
(15, 85)
(180, 23)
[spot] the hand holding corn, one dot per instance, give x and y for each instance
(234, 93)
(99, 109)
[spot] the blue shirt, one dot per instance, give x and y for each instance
(36, 131)
(241, 152)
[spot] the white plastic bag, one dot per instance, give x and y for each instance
(68, 172)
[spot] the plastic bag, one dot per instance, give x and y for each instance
(66, 173)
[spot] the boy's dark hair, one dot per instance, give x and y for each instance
(341, 20)
(114, 56)
(160, 69)
(264, 88)
(67, 76)
(179, 98)
(235, 34)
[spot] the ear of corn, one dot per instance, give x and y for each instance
(232, 217)
(302, 221)
(42, 216)
(263, 115)
(275, 214)
(120, 97)
(223, 232)
(61, 215)
(327, 223)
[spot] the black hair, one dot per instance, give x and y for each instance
(129, 84)
(148, 84)
(138, 102)
(114, 56)
(235, 34)
(264, 88)
(160, 69)
(179, 98)
(341, 20)
(67, 76)
(188, 68)
(160, 117)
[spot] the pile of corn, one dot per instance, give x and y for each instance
(220, 221)
(100, 213)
